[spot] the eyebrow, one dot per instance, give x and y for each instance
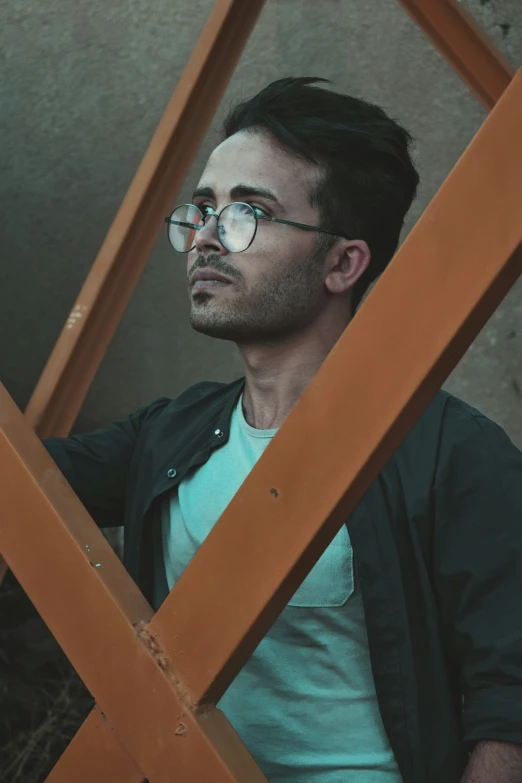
(238, 192)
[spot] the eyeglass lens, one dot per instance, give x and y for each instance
(236, 227)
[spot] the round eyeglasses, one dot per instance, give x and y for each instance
(236, 225)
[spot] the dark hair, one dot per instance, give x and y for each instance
(369, 178)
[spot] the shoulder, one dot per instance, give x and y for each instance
(203, 390)
(448, 426)
(441, 418)
(447, 410)
(446, 414)
(463, 437)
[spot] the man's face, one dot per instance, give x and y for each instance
(277, 286)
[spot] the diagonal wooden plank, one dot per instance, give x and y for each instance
(478, 208)
(107, 290)
(466, 47)
(99, 617)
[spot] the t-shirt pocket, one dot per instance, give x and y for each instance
(330, 582)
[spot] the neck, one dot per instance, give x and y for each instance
(277, 373)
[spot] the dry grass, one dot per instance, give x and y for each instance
(42, 700)
(31, 754)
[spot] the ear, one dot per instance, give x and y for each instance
(346, 262)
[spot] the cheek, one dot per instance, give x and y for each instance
(277, 239)
(287, 245)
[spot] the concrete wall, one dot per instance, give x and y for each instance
(82, 88)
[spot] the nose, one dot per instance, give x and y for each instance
(207, 239)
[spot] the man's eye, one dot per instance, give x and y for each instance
(209, 209)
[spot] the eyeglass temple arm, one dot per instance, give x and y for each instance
(303, 226)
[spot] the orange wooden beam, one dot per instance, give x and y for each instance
(456, 35)
(99, 617)
(470, 243)
(73, 363)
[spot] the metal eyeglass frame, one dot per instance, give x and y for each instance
(256, 218)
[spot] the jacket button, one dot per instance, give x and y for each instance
(171, 473)
(219, 433)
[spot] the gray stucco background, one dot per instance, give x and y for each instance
(82, 87)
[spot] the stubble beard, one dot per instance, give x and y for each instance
(275, 307)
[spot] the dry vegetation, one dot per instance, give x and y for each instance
(42, 700)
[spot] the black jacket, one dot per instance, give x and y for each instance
(437, 541)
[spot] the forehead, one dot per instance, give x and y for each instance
(255, 159)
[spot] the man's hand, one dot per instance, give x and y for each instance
(493, 761)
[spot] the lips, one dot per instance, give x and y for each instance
(208, 276)
(208, 284)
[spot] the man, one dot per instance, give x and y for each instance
(400, 655)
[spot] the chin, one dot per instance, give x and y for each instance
(221, 331)
(203, 326)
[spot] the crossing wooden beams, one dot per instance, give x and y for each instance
(446, 280)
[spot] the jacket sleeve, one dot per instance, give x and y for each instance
(96, 465)
(477, 572)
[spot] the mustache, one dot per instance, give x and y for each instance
(215, 262)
